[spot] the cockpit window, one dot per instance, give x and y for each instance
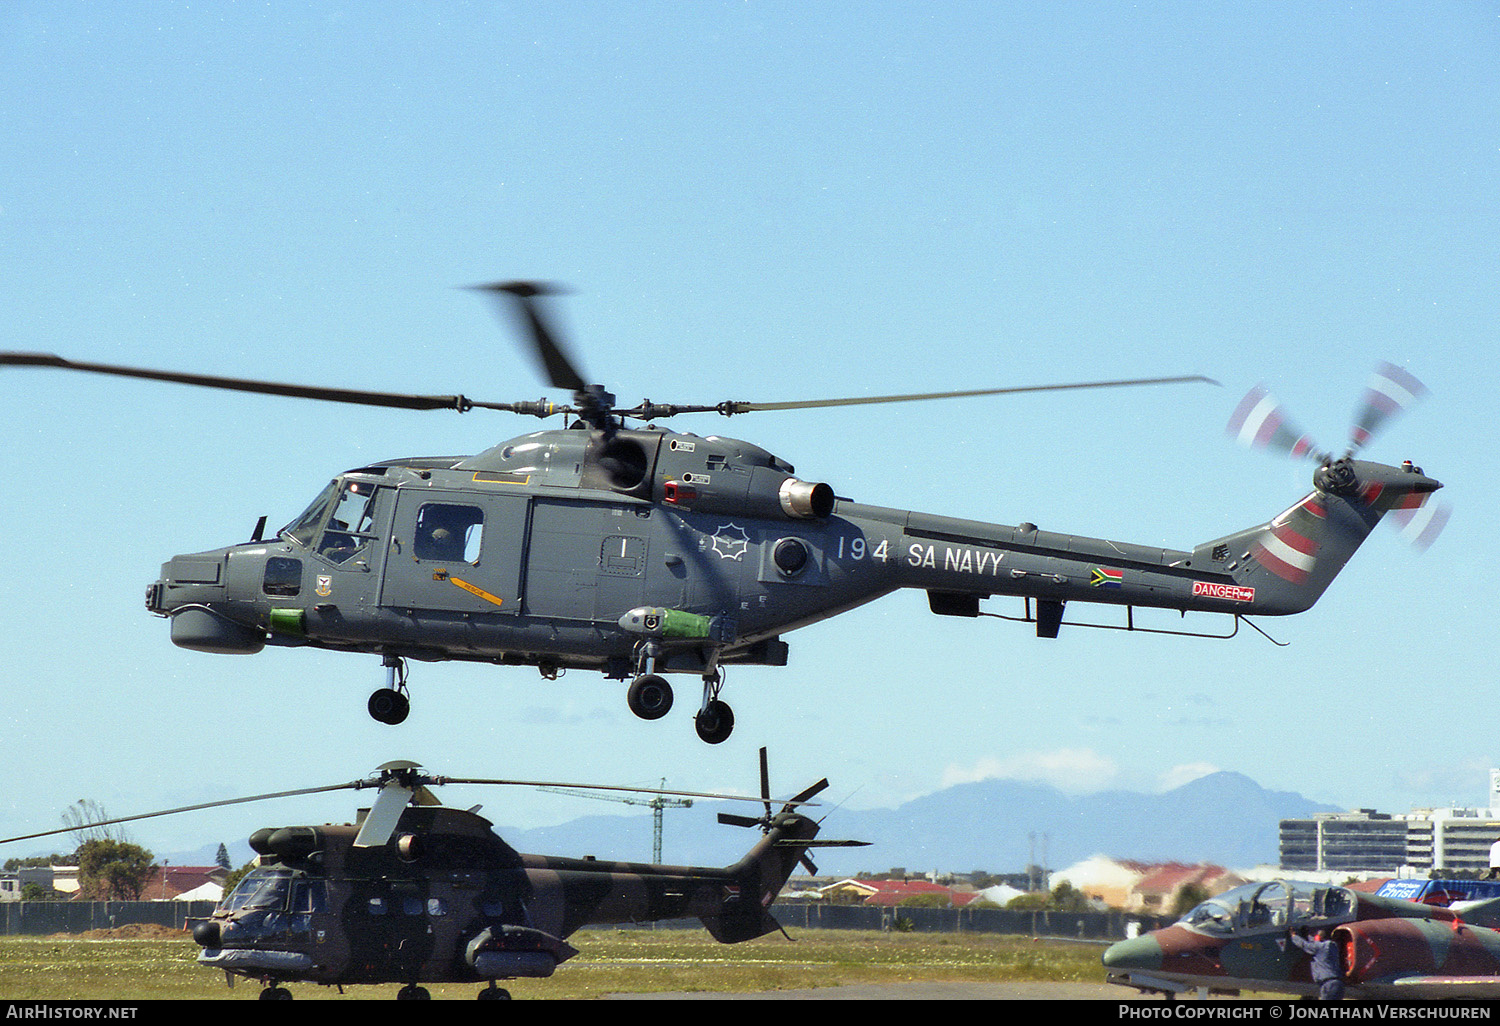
(260, 889)
(304, 528)
(351, 521)
(340, 521)
(1278, 904)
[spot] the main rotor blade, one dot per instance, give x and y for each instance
(396, 400)
(381, 820)
(592, 787)
(558, 366)
(188, 808)
(734, 406)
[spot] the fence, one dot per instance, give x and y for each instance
(39, 918)
(1094, 926)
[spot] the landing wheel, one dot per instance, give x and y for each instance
(649, 696)
(275, 994)
(411, 992)
(494, 993)
(714, 722)
(387, 705)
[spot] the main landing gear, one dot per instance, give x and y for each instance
(650, 697)
(391, 703)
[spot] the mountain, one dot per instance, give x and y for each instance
(993, 825)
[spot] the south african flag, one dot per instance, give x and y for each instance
(1104, 577)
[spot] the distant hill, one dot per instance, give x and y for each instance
(1224, 817)
(993, 825)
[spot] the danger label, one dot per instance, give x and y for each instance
(1227, 592)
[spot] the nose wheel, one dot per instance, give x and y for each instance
(391, 704)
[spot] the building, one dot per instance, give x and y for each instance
(1423, 841)
(1158, 891)
(1103, 879)
(1364, 841)
(14, 882)
(893, 892)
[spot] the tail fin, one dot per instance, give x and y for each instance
(759, 877)
(1288, 563)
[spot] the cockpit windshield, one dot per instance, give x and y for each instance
(340, 521)
(260, 889)
(304, 528)
(271, 907)
(1280, 904)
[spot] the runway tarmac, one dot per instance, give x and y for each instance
(924, 991)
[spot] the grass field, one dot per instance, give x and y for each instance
(162, 967)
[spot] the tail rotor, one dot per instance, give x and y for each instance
(1260, 421)
(767, 821)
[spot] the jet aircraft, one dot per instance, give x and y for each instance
(1390, 949)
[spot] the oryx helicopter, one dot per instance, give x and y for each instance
(640, 552)
(415, 892)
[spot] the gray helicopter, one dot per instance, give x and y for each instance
(641, 552)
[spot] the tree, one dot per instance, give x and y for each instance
(112, 870)
(222, 858)
(89, 821)
(1064, 898)
(232, 881)
(1189, 896)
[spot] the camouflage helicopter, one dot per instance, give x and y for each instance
(1390, 949)
(642, 552)
(415, 892)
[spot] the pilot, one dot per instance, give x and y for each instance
(1327, 972)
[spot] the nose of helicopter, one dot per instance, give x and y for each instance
(206, 934)
(207, 595)
(1134, 953)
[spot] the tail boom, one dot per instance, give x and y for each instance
(1273, 569)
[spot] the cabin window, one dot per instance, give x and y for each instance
(449, 532)
(309, 896)
(283, 577)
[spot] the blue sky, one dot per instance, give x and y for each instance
(765, 201)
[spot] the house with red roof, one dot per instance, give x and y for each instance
(888, 893)
(1159, 888)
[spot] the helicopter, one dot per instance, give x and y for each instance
(640, 552)
(1390, 949)
(415, 892)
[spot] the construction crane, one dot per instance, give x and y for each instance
(656, 804)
